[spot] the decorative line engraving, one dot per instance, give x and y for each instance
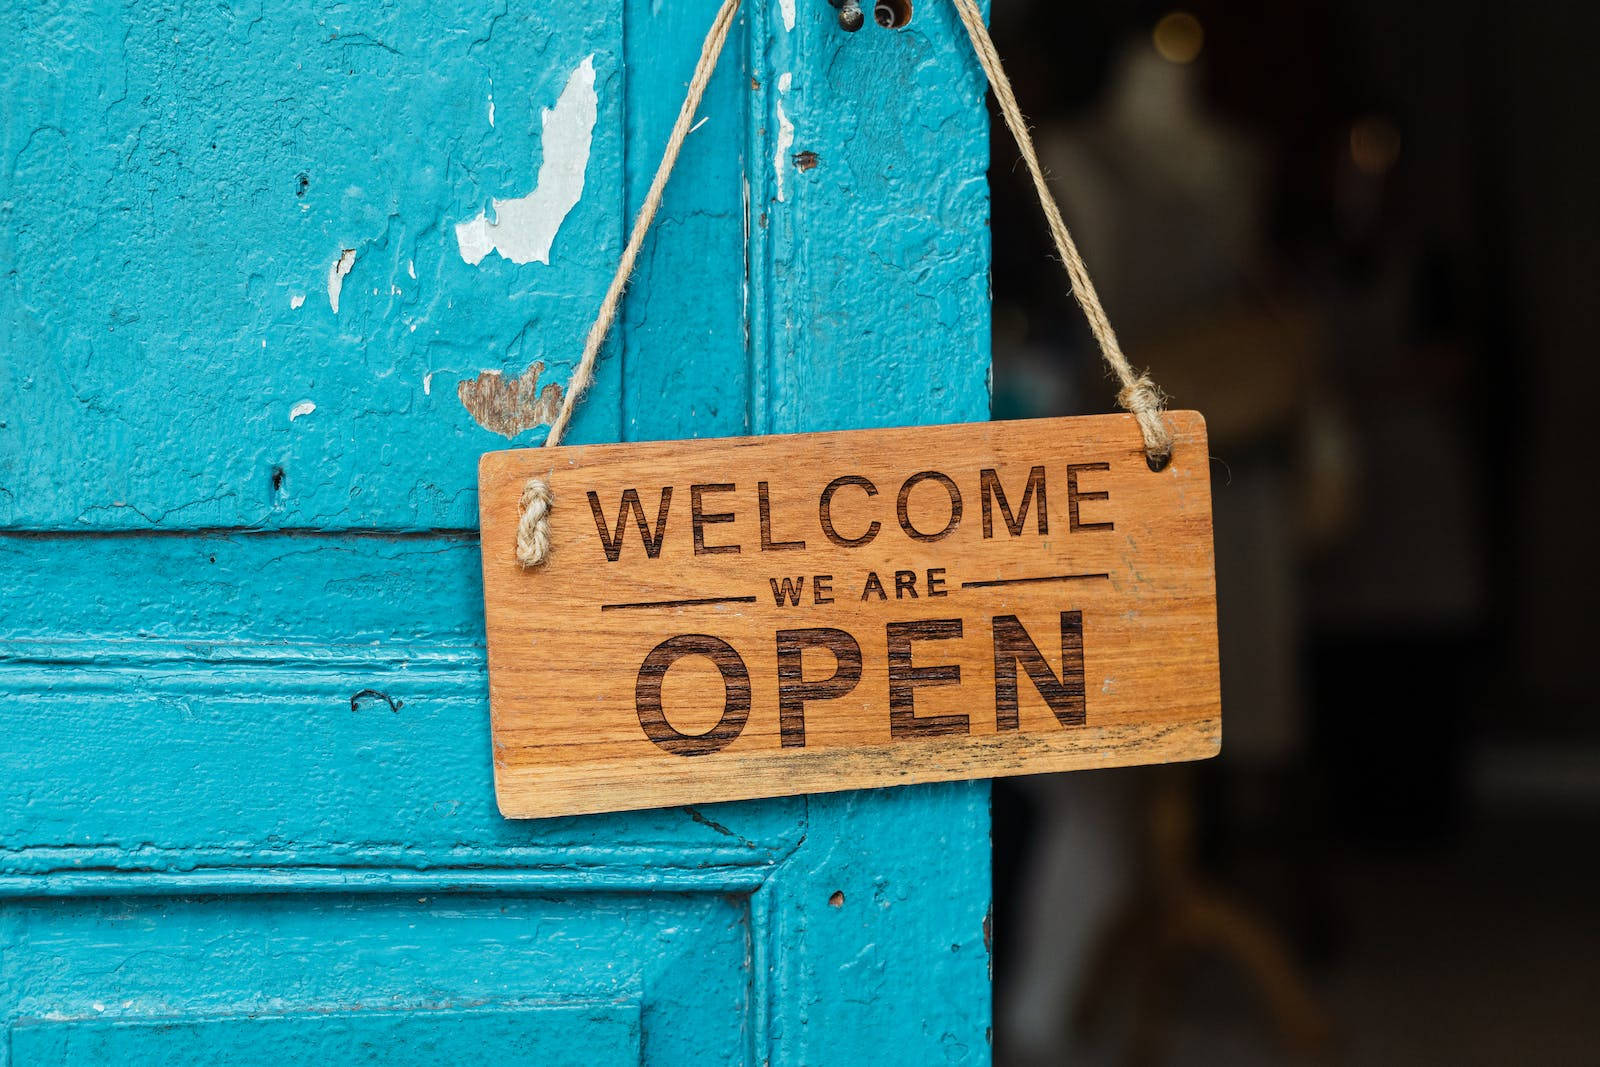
(1032, 581)
(645, 604)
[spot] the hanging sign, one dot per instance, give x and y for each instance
(755, 617)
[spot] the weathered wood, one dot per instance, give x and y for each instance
(758, 617)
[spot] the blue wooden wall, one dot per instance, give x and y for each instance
(246, 809)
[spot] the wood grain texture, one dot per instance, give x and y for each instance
(994, 599)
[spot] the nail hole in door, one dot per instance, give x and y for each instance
(892, 14)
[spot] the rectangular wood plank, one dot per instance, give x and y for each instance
(753, 617)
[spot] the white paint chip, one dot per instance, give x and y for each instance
(524, 228)
(305, 407)
(336, 273)
(780, 156)
(296, 299)
(411, 267)
(788, 13)
(427, 383)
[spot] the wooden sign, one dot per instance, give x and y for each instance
(755, 617)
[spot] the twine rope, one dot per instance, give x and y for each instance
(533, 528)
(1138, 394)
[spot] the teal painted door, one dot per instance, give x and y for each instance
(249, 256)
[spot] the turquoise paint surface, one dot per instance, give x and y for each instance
(245, 760)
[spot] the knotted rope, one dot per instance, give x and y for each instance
(1138, 394)
(533, 528)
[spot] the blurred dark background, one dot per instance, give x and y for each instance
(1358, 235)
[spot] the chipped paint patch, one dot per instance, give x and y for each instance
(785, 136)
(336, 273)
(508, 407)
(524, 228)
(305, 407)
(296, 299)
(427, 384)
(787, 6)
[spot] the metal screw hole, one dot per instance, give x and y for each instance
(892, 14)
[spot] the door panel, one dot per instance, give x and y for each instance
(247, 800)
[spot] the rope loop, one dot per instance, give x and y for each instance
(1146, 402)
(533, 527)
(1138, 394)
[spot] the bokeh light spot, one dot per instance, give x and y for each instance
(1374, 144)
(1178, 37)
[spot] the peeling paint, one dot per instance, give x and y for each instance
(508, 407)
(305, 407)
(336, 273)
(785, 136)
(427, 384)
(787, 6)
(296, 299)
(524, 228)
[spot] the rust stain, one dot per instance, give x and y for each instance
(508, 407)
(804, 161)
